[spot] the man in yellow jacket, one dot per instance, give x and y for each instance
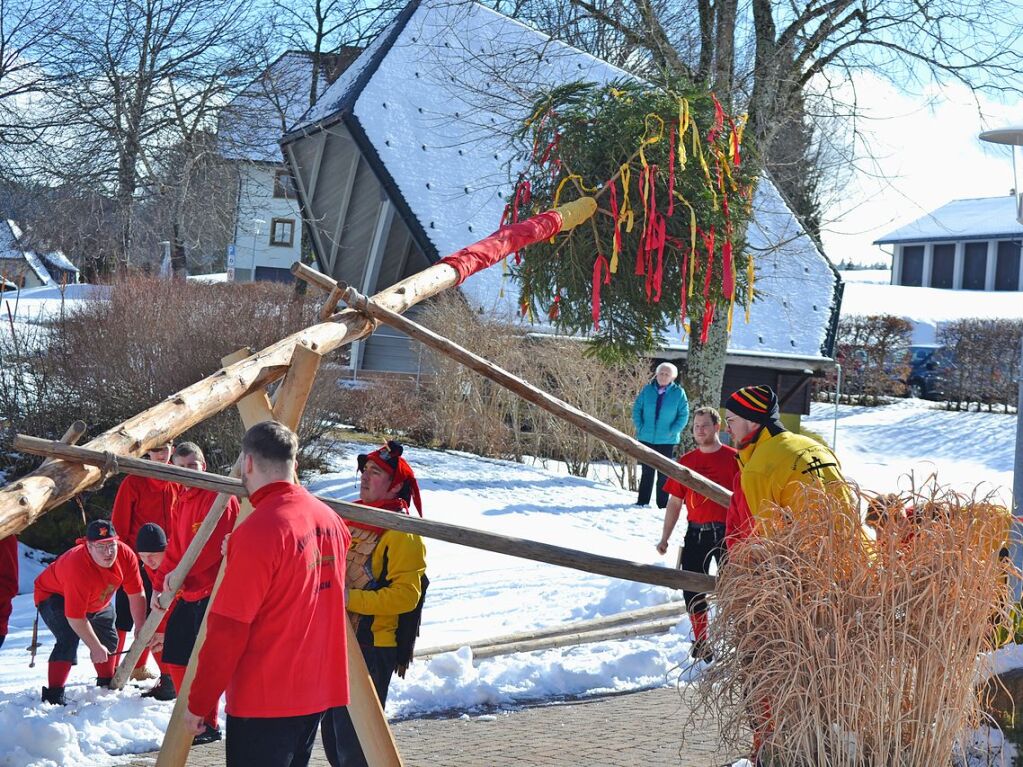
(775, 463)
(388, 606)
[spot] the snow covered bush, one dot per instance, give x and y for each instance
(846, 652)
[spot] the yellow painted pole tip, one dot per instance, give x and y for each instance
(576, 212)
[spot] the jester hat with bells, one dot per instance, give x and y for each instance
(389, 459)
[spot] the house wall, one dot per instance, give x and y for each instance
(358, 237)
(18, 271)
(256, 256)
(979, 264)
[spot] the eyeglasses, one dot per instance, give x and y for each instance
(104, 547)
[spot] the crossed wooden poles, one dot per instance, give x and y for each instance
(242, 382)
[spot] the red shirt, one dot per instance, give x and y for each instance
(140, 500)
(190, 509)
(85, 586)
(283, 593)
(721, 466)
(8, 579)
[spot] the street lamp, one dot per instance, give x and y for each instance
(1013, 137)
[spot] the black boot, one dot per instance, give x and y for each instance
(104, 681)
(209, 735)
(162, 690)
(54, 695)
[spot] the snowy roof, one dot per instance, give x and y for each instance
(10, 248)
(250, 126)
(433, 109)
(58, 260)
(973, 219)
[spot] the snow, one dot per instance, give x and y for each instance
(208, 278)
(926, 308)
(438, 113)
(57, 259)
(978, 218)
(477, 595)
(45, 303)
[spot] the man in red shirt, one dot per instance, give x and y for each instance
(74, 597)
(705, 531)
(186, 614)
(140, 500)
(8, 581)
(275, 632)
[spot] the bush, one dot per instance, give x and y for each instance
(105, 361)
(873, 352)
(986, 360)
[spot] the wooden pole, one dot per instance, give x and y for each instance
(673, 611)
(291, 397)
(542, 399)
(26, 499)
(568, 639)
(71, 436)
(427, 528)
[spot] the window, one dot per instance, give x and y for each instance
(284, 184)
(273, 274)
(943, 266)
(1007, 266)
(975, 266)
(912, 265)
(282, 232)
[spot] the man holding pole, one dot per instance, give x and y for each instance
(275, 632)
(385, 596)
(705, 529)
(185, 616)
(141, 500)
(74, 597)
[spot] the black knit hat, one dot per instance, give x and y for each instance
(100, 530)
(758, 404)
(151, 538)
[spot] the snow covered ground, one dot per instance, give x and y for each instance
(475, 595)
(868, 292)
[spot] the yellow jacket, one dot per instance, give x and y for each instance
(398, 564)
(775, 467)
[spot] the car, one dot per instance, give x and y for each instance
(929, 368)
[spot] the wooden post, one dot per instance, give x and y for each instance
(26, 499)
(542, 399)
(427, 528)
(291, 397)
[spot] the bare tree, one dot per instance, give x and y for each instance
(135, 78)
(766, 56)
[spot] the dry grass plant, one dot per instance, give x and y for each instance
(859, 653)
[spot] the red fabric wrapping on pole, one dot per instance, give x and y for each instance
(507, 239)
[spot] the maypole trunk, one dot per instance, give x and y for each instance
(28, 498)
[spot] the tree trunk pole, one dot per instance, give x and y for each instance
(427, 528)
(542, 399)
(26, 499)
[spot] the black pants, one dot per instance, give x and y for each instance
(182, 630)
(284, 741)
(340, 742)
(51, 610)
(124, 619)
(701, 545)
(646, 478)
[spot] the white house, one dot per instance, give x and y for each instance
(268, 225)
(969, 244)
(406, 158)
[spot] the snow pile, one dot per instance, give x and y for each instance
(48, 302)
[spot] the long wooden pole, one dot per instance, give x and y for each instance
(540, 398)
(26, 499)
(428, 528)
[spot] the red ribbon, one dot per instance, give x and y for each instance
(601, 275)
(708, 243)
(555, 309)
(728, 269)
(708, 317)
(719, 120)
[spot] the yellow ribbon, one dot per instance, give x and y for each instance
(645, 141)
(625, 212)
(683, 126)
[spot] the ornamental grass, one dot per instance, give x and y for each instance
(839, 650)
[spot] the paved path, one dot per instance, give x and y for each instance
(629, 730)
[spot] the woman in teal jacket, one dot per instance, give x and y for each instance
(659, 414)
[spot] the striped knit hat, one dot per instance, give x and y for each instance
(755, 403)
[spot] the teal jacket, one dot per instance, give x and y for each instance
(664, 427)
